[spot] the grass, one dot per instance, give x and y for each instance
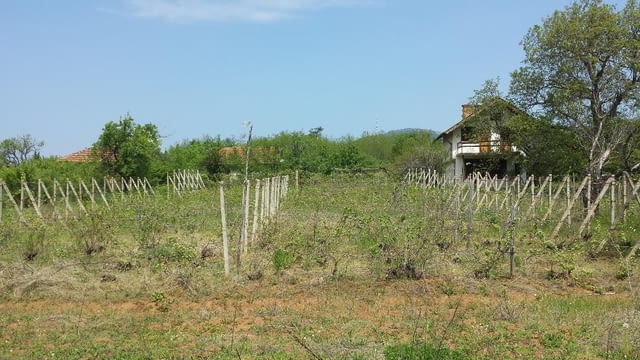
(352, 267)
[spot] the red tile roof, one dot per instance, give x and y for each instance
(225, 152)
(78, 156)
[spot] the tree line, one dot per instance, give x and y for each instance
(128, 149)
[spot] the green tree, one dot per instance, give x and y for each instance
(428, 156)
(349, 156)
(202, 154)
(128, 149)
(296, 150)
(628, 158)
(316, 131)
(549, 148)
(400, 148)
(582, 71)
(491, 112)
(377, 146)
(16, 150)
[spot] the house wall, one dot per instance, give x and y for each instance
(455, 165)
(459, 161)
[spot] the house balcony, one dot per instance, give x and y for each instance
(483, 147)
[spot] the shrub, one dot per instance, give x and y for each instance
(172, 251)
(282, 260)
(94, 231)
(34, 242)
(421, 352)
(151, 222)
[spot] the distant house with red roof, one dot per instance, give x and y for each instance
(84, 155)
(228, 151)
(81, 156)
(261, 154)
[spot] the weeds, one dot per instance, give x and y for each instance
(161, 301)
(421, 352)
(151, 224)
(172, 250)
(282, 260)
(94, 231)
(34, 241)
(507, 310)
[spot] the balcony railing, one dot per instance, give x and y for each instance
(484, 147)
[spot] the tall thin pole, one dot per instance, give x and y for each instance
(255, 212)
(246, 163)
(225, 238)
(512, 239)
(1, 204)
(246, 191)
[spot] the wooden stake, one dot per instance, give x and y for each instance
(272, 200)
(550, 183)
(21, 197)
(593, 206)
(512, 239)
(468, 234)
(13, 201)
(537, 197)
(148, 185)
(1, 200)
(32, 199)
(263, 202)
(569, 205)
(39, 193)
(589, 183)
(244, 238)
(613, 203)
(552, 202)
(53, 204)
(624, 195)
(104, 198)
(78, 200)
(533, 191)
(82, 185)
(225, 238)
(256, 209)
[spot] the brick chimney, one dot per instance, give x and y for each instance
(467, 109)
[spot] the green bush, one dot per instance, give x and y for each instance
(94, 231)
(172, 251)
(151, 222)
(421, 352)
(282, 260)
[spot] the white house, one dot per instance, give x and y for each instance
(479, 142)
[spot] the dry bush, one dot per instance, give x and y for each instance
(23, 281)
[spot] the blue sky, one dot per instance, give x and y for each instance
(204, 67)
